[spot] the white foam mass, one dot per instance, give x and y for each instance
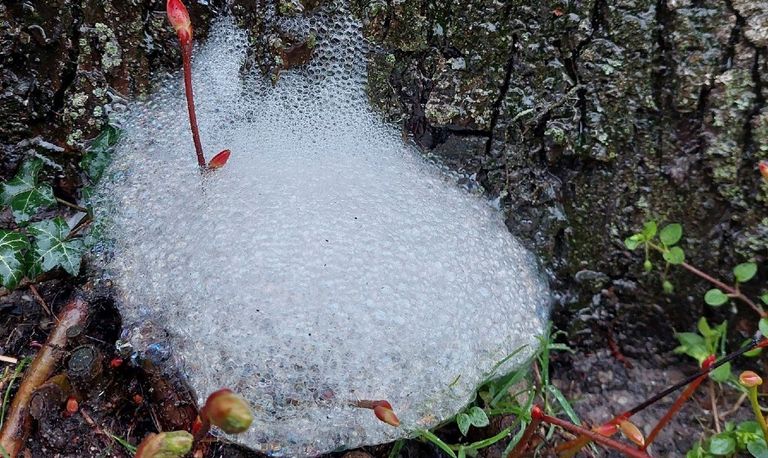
(327, 262)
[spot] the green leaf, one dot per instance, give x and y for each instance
(722, 373)
(437, 441)
(671, 234)
(24, 195)
(563, 401)
(764, 298)
(477, 417)
(668, 287)
(99, 154)
(745, 271)
(754, 352)
(52, 249)
(633, 241)
(693, 345)
(463, 421)
(763, 326)
(715, 297)
(758, 449)
(12, 249)
(674, 255)
(649, 230)
(703, 326)
(722, 444)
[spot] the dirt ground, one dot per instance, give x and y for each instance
(117, 399)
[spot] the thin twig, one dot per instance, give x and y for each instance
(41, 301)
(8, 359)
(736, 406)
(732, 291)
(71, 205)
(713, 404)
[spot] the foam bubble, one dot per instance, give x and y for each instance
(326, 262)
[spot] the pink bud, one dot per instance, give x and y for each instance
(386, 415)
(749, 379)
(219, 160)
(179, 19)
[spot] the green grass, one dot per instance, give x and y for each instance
(510, 394)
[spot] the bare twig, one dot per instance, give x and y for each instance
(16, 426)
(713, 406)
(71, 205)
(41, 301)
(8, 359)
(736, 406)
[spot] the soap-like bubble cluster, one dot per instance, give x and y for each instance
(327, 262)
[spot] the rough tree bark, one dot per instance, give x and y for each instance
(586, 117)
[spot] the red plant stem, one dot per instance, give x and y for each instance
(706, 369)
(186, 54)
(599, 438)
(684, 396)
(530, 430)
(733, 292)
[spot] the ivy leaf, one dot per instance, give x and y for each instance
(52, 249)
(745, 271)
(674, 255)
(715, 297)
(464, 422)
(24, 195)
(477, 417)
(12, 248)
(99, 154)
(649, 230)
(671, 234)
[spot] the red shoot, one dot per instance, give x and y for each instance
(179, 19)
(219, 160)
(178, 16)
(764, 169)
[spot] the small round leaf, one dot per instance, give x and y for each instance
(649, 230)
(763, 326)
(744, 272)
(647, 265)
(671, 234)
(463, 421)
(633, 242)
(674, 255)
(669, 288)
(715, 297)
(722, 444)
